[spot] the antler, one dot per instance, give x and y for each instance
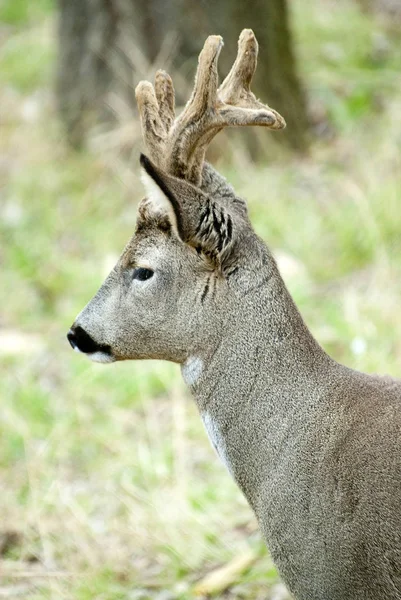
(178, 145)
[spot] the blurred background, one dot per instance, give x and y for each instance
(109, 488)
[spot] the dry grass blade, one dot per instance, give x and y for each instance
(222, 578)
(23, 570)
(38, 574)
(13, 591)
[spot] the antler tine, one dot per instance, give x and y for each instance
(236, 105)
(195, 119)
(243, 107)
(165, 95)
(206, 79)
(240, 76)
(153, 129)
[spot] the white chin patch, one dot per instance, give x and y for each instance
(101, 357)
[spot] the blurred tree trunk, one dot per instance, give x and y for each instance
(92, 58)
(87, 30)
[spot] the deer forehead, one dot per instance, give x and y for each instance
(151, 256)
(148, 245)
(153, 249)
(153, 217)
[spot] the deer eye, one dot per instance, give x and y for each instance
(142, 274)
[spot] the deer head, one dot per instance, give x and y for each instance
(194, 252)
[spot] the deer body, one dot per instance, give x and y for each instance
(313, 445)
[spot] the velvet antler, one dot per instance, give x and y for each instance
(178, 145)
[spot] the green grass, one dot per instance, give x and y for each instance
(106, 472)
(24, 12)
(27, 57)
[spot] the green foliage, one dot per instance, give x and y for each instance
(26, 59)
(24, 12)
(104, 586)
(349, 60)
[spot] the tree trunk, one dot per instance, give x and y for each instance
(87, 31)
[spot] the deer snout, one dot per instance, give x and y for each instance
(81, 341)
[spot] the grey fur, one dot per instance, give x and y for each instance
(313, 445)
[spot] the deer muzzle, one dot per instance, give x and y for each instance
(81, 341)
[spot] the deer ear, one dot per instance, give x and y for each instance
(197, 219)
(159, 198)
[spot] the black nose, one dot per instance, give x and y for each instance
(81, 340)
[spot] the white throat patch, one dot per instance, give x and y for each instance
(191, 370)
(217, 439)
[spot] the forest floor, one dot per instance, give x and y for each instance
(109, 488)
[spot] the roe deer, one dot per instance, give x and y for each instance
(314, 446)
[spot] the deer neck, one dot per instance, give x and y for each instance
(264, 342)
(261, 377)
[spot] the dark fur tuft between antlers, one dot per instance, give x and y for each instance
(178, 144)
